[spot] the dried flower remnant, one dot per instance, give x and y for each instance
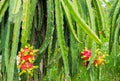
(26, 60)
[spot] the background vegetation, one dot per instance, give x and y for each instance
(60, 29)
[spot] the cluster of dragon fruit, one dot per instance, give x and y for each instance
(26, 60)
(98, 60)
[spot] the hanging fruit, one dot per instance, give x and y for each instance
(26, 60)
(85, 55)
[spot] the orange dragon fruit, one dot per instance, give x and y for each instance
(100, 58)
(99, 61)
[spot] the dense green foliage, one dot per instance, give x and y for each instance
(60, 30)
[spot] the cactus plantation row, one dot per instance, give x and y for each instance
(59, 40)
